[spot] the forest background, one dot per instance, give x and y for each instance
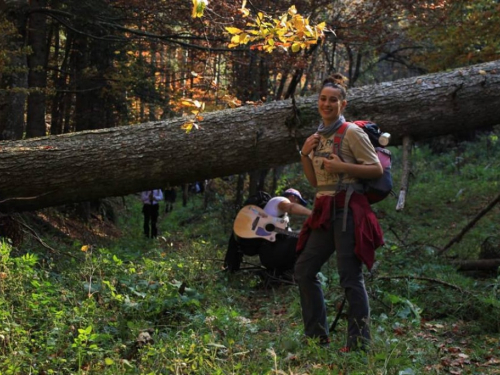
(69, 66)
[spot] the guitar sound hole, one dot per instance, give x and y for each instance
(269, 227)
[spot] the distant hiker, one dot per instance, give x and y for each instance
(170, 196)
(276, 250)
(353, 234)
(151, 208)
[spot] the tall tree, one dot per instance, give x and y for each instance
(13, 80)
(37, 76)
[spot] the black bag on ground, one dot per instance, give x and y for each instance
(237, 247)
(258, 199)
(279, 256)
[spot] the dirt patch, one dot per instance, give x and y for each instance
(60, 225)
(95, 230)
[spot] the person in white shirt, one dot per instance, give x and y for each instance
(278, 256)
(151, 208)
(290, 203)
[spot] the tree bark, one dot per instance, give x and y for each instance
(477, 264)
(55, 170)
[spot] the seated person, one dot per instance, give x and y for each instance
(277, 256)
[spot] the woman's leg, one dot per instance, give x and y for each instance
(350, 270)
(318, 249)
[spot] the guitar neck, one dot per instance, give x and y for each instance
(286, 232)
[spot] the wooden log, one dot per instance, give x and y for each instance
(477, 264)
(55, 170)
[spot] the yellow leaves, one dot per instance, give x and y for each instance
(198, 8)
(232, 101)
(195, 108)
(244, 12)
(192, 103)
(242, 38)
(290, 29)
(233, 30)
(320, 26)
(188, 126)
(296, 47)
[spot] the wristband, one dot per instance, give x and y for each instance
(302, 154)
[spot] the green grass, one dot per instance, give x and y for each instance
(165, 306)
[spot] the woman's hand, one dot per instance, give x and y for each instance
(333, 164)
(310, 144)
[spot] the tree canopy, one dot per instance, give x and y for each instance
(68, 64)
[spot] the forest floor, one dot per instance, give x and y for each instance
(79, 296)
(58, 226)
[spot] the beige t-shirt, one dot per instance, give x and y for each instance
(356, 149)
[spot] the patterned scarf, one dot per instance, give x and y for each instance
(327, 131)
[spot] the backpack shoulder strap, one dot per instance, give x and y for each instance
(338, 137)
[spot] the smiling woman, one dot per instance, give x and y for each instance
(342, 219)
(331, 104)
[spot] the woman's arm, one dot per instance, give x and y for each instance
(309, 170)
(309, 145)
(368, 171)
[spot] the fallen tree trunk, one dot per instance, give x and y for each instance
(477, 264)
(50, 171)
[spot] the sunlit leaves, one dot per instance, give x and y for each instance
(455, 33)
(198, 8)
(195, 108)
(233, 30)
(232, 101)
(290, 30)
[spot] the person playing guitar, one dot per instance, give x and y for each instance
(254, 222)
(265, 232)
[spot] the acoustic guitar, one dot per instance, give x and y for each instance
(253, 222)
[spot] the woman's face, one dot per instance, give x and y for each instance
(330, 104)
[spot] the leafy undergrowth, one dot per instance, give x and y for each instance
(100, 299)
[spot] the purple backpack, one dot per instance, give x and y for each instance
(376, 189)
